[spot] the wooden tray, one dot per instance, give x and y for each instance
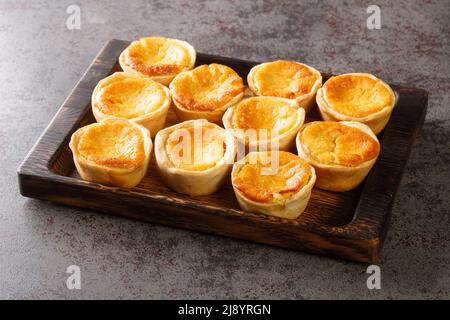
(350, 225)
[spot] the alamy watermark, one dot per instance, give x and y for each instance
(374, 18)
(73, 21)
(73, 282)
(374, 280)
(187, 146)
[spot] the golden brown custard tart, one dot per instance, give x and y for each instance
(266, 123)
(206, 92)
(195, 157)
(158, 58)
(341, 152)
(358, 97)
(276, 183)
(127, 95)
(286, 79)
(113, 152)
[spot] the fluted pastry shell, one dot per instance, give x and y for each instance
(158, 58)
(286, 79)
(133, 97)
(284, 193)
(341, 152)
(206, 92)
(358, 97)
(193, 177)
(276, 121)
(113, 152)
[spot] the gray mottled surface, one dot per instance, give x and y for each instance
(40, 62)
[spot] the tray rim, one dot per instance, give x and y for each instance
(37, 168)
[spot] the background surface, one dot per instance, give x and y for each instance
(41, 61)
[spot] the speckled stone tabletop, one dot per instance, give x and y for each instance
(41, 61)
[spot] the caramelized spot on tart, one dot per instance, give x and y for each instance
(207, 87)
(264, 113)
(157, 56)
(335, 143)
(357, 95)
(261, 180)
(195, 148)
(113, 144)
(284, 79)
(130, 97)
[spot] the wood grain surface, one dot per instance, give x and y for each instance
(350, 225)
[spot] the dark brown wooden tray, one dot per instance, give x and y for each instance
(350, 225)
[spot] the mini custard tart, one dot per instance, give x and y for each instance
(114, 152)
(265, 123)
(276, 183)
(195, 157)
(206, 92)
(158, 58)
(358, 97)
(341, 152)
(286, 79)
(130, 96)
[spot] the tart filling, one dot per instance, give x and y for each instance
(115, 144)
(286, 79)
(207, 87)
(125, 95)
(195, 149)
(292, 174)
(158, 57)
(357, 95)
(274, 116)
(266, 122)
(333, 143)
